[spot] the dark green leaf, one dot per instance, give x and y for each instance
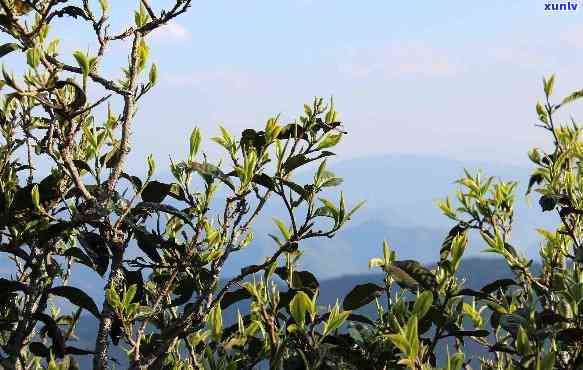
(136, 182)
(264, 180)
(155, 191)
(8, 48)
(155, 206)
(498, 284)
(135, 278)
(38, 349)
(361, 295)
(299, 160)
(116, 330)
(77, 351)
(9, 286)
(77, 297)
(83, 166)
(300, 190)
(547, 203)
(252, 138)
(411, 274)
(472, 293)
(570, 336)
(80, 97)
(183, 291)
(80, 256)
(511, 322)
(210, 172)
(470, 333)
(456, 231)
(300, 280)
(535, 179)
(233, 297)
(96, 249)
(502, 347)
(54, 332)
(292, 131)
(148, 243)
(73, 11)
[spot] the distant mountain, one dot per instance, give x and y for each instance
(477, 272)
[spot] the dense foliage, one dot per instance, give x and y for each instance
(160, 247)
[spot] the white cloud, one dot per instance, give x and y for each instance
(171, 32)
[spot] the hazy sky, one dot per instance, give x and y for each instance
(451, 78)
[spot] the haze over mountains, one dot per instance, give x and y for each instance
(400, 191)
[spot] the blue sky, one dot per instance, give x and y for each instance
(450, 78)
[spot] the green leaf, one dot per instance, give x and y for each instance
(299, 306)
(195, 139)
(143, 52)
(548, 361)
(33, 57)
(522, 344)
(355, 209)
(400, 342)
(215, 322)
(77, 297)
(361, 295)
(129, 295)
(80, 97)
(8, 48)
(83, 62)
(35, 197)
(151, 165)
(512, 322)
(153, 76)
(457, 361)
(329, 140)
(549, 85)
(282, 228)
(415, 270)
(299, 160)
(209, 172)
(423, 304)
(104, 5)
(571, 98)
